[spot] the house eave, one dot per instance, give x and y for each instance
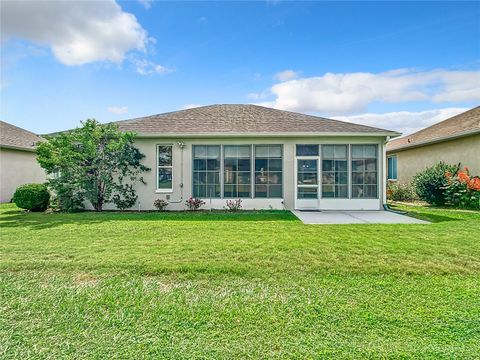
(18, 148)
(434, 141)
(266, 134)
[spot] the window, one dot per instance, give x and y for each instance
(237, 171)
(334, 171)
(392, 167)
(307, 150)
(206, 171)
(268, 171)
(307, 179)
(364, 171)
(164, 168)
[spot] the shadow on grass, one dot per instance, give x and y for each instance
(18, 218)
(432, 214)
(434, 218)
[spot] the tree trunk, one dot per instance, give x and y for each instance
(100, 198)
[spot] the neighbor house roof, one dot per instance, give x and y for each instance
(464, 124)
(13, 137)
(240, 120)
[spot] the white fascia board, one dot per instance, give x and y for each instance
(258, 134)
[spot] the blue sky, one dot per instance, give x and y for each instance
(399, 66)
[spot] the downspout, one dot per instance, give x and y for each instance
(384, 164)
(181, 145)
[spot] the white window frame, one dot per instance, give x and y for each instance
(169, 190)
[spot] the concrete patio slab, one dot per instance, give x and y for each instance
(355, 217)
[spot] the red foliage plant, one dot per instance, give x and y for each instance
(463, 176)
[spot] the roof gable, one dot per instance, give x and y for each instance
(458, 125)
(235, 119)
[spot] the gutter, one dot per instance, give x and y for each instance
(263, 134)
(19, 148)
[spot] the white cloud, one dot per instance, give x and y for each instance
(285, 75)
(146, 67)
(78, 32)
(406, 122)
(190, 106)
(347, 93)
(118, 110)
(147, 4)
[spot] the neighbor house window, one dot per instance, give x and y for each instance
(164, 168)
(206, 171)
(364, 171)
(237, 171)
(268, 171)
(392, 167)
(307, 178)
(334, 171)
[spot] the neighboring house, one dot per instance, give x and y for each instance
(266, 157)
(18, 164)
(455, 140)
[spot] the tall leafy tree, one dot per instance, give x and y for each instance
(95, 163)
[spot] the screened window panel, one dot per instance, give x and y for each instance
(307, 150)
(206, 171)
(268, 171)
(237, 171)
(334, 171)
(364, 171)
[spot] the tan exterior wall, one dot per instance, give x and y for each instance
(463, 150)
(16, 168)
(182, 173)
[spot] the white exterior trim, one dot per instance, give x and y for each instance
(265, 134)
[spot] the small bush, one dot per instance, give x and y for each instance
(400, 192)
(234, 205)
(462, 190)
(160, 204)
(33, 197)
(429, 184)
(194, 203)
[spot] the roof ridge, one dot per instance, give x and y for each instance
(265, 108)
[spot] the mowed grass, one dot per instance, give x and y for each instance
(247, 285)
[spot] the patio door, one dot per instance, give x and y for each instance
(307, 182)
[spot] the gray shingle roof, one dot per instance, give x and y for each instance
(464, 123)
(237, 119)
(15, 137)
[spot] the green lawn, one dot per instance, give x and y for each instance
(249, 285)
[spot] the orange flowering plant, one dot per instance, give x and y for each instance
(462, 190)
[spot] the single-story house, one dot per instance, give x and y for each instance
(454, 140)
(268, 158)
(18, 164)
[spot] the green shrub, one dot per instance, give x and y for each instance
(429, 184)
(160, 204)
(400, 192)
(33, 197)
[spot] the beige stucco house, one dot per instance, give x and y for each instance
(455, 140)
(266, 157)
(18, 164)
